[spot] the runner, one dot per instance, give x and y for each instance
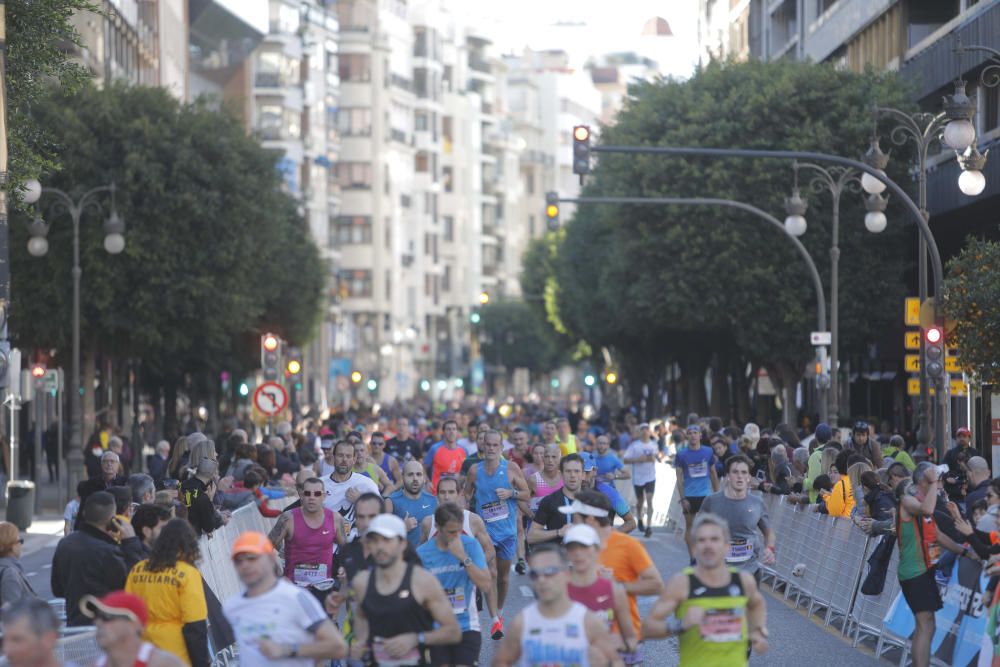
(596, 592)
(718, 611)
(618, 504)
(120, 618)
(752, 539)
(444, 457)
(309, 533)
(403, 447)
(412, 503)
(549, 524)
(343, 486)
(400, 603)
(495, 487)
(697, 479)
(325, 464)
(389, 464)
(459, 563)
(642, 455)
(547, 480)
(609, 466)
(365, 465)
(449, 492)
(555, 630)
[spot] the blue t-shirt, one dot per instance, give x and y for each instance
(454, 579)
(695, 463)
(608, 463)
(419, 507)
(618, 504)
(429, 456)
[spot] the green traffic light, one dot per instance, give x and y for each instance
(475, 318)
(555, 383)
(244, 389)
(589, 380)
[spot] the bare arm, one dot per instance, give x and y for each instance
(649, 583)
(360, 626)
(341, 528)
(425, 528)
(756, 613)
(483, 537)
(510, 648)
(329, 644)
(470, 487)
(521, 486)
(281, 530)
(397, 474)
(436, 602)
(623, 615)
(600, 640)
(714, 477)
(654, 625)
(537, 533)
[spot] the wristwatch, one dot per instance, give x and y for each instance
(467, 562)
(421, 640)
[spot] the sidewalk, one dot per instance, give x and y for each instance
(45, 531)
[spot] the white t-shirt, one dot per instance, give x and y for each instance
(285, 614)
(336, 493)
(642, 473)
(470, 446)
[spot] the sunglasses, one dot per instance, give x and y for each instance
(545, 572)
(312, 494)
(104, 616)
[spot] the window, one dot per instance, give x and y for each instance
(354, 175)
(446, 278)
(529, 183)
(354, 67)
(388, 233)
(421, 121)
(422, 163)
(353, 230)
(448, 178)
(356, 283)
(989, 119)
(275, 69)
(449, 229)
(354, 122)
(421, 82)
(275, 122)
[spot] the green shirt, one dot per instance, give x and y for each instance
(721, 638)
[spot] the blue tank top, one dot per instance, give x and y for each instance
(385, 467)
(500, 516)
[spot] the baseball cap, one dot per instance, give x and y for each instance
(582, 534)
(860, 426)
(963, 430)
(252, 542)
(579, 508)
(589, 462)
(326, 443)
(644, 425)
(693, 427)
(388, 525)
(118, 604)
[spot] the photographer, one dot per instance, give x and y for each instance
(91, 561)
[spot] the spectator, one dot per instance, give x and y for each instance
(72, 509)
(143, 488)
(30, 634)
(109, 477)
(251, 482)
(157, 462)
(117, 445)
(246, 456)
(147, 521)
(841, 499)
(90, 560)
(781, 473)
(201, 450)
(896, 451)
(197, 493)
(13, 584)
(120, 618)
(979, 480)
(178, 458)
(171, 587)
(880, 506)
(823, 485)
(854, 472)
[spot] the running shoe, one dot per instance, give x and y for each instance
(497, 630)
(521, 566)
(649, 531)
(641, 527)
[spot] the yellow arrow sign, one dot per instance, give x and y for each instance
(957, 387)
(911, 311)
(951, 365)
(912, 363)
(911, 340)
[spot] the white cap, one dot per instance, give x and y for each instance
(582, 534)
(388, 525)
(579, 508)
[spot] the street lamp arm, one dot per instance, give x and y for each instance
(76, 207)
(909, 128)
(705, 201)
(908, 203)
(990, 74)
(834, 180)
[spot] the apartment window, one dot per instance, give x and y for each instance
(449, 229)
(354, 175)
(357, 283)
(989, 119)
(354, 67)
(446, 278)
(276, 122)
(428, 284)
(353, 230)
(421, 82)
(354, 121)
(449, 75)
(388, 285)
(422, 162)
(421, 121)
(823, 5)
(529, 183)
(448, 177)
(446, 128)
(420, 42)
(275, 69)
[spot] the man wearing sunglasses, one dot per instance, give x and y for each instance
(120, 618)
(555, 629)
(308, 534)
(276, 623)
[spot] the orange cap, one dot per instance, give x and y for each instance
(252, 542)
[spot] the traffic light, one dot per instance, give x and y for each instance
(484, 298)
(294, 364)
(934, 352)
(372, 384)
(356, 377)
(475, 317)
(552, 210)
(589, 380)
(38, 371)
(611, 377)
(270, 357)
(581, 150)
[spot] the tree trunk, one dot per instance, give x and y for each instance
(719, 387)
(171, 429)
(741, 389)
(88, 371)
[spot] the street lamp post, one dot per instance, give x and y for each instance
(38, 245)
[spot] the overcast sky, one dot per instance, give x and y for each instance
(592, 27)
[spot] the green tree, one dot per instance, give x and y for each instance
(972, 300)
(215, 250)
(514, 337)
(697, 284)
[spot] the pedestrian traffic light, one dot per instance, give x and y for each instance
(270, 357)
(581, 150)
(244, 389)
(294, 364)
(934, 352)
(356, 376)
(552, 210)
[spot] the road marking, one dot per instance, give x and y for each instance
(47, 566)
(527, 592)
(31, 574)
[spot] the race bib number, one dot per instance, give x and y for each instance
(305, 574)
(740, 551)
(383, 659)
(456, 596)
(722, 626)
(698, 469)
(494, 511)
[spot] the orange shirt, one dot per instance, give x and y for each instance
(626, 558)
(445, 462)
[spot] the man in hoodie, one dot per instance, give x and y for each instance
(822, 437)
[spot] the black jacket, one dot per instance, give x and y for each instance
(90, 562)
(200, 510)
(92, 486)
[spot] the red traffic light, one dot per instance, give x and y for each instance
(581, 133)
(269, 342)
(933, 335)
(38, 371)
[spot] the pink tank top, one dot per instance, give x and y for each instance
(542, 489)
(309, 554)
(598, 597)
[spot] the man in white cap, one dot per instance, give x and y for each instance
(400, 603)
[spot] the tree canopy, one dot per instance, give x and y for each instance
(972, 300)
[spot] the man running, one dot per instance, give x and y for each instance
(412, 503)
(609, 466)
(444, 457)
(618, 504)
(495, 487)
(751, 539)
(276, 622)
(716, 610)
(642, 455)
(459, 563)
(555, 630)
(696, 479)
(343, 486)
(400, 603)
(308, 533)
(595, 591)
(388, 464)
(549, 524)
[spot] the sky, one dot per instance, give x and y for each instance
(592, 27)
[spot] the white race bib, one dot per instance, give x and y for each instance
(698, 469)
(740, 551)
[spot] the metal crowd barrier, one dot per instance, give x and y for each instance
(821, 562)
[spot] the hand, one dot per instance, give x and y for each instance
(963, 526)
(693, 617)
(225, 484)
(768, 557)
(334, 601)
(410, 521)
(352, 494)
(358, 649)
(125, 529)
(456, 549)
(686, 506)
(605, 572)
(865, 524)
(400, 645)
(560, 532)
(273, 650)
(931, 474)
(758, 642)
(504, 494)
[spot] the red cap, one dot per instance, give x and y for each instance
(116, 603)
(963, 430)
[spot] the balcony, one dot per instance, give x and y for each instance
(401, 82)
(480, 64)
(268, 80)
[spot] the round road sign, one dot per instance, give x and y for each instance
(270, 398)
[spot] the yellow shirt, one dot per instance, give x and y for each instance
(569, 446)
(174, 597)
(841, 500)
